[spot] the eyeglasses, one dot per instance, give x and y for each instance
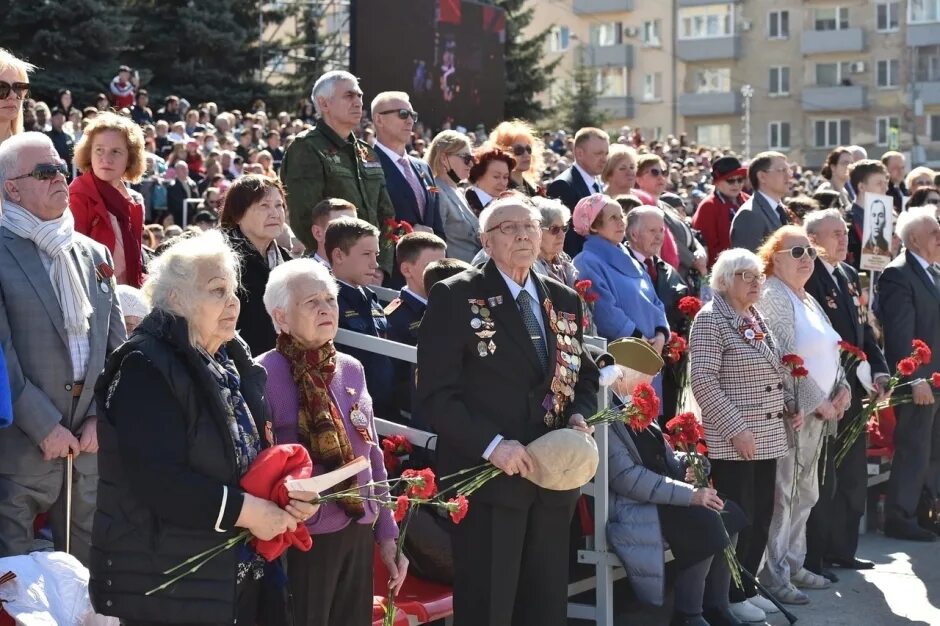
(779, 169)
(402, 114)
(655, 171)
(20, 89)
(735, 181)
(529, 227)
(750, 277)
(556, 229)
(520, 149)
(45, 171)
(797, 252)
(466, 158)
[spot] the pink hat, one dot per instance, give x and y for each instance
(587, 210)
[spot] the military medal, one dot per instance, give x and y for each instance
(474, 309)
(485, 334)
(484, 312)
(475, 323)
(481, 348)
(350, 391)
(749, 334)
(831, 302)
(104, 287)
(492, 347)
(357, 417)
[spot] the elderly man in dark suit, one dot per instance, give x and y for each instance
(500, 363)
(59, 319)
(832, 529)
(591, 146)
(763, 213)
(909, 299)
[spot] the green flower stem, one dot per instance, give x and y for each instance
(205, 557)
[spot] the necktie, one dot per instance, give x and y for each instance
(934, 272)
(596, 187)
(524, 302)
(651, 269)
(782, 214)
(838, 278)
(416, 187)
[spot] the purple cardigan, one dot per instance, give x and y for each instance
(348, 387)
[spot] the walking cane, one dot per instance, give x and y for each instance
(753, 580)
(68, 503)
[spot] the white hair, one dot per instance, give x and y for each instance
(813, 220)
(912, 218)
(858, 150)
(638, 213)
(172, 284)
(729, 263)
(284, 277)
(552, 210)
(516, 200)
(11, 148)
(326, 85)
(386, 96)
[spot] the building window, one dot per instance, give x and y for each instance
(779, 81)
(923, 11)
(607, 34)
(559, 39)
(832, 133)
(778, 135)
(833, 74)
(778, 24)
(713, 80)
(718, 135)
(884, 127)
(831, 18)
(928, 64)
(651, 33)
(705, 22)
(612, 82)
(653, 87)
(888, 70)
(933, 123)
(887, 16)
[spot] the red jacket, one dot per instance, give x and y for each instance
(713, 219)
(93, 220)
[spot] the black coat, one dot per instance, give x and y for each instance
(254, 323)
(909, 308)
(165, 455)
(569, 187)
(469, 399)
(403, 198)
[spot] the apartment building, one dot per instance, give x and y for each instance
(628, 44)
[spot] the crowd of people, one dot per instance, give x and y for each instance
(172, 283)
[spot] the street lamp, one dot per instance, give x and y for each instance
(748, 92)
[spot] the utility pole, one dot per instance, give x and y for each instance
(916, 107)
(748, 92)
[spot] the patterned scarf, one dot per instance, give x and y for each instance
(321, 425)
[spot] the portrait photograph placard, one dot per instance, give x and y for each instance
(877, 232)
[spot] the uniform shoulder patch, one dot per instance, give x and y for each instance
(394, 304)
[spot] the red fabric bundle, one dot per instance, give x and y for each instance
(266, 478)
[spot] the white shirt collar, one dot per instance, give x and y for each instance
(829, 268)
(515, 289)
(484, 197)
(423, 301)
(391, 153)
(923, 263)
(639, 256)
(773, 203)
(316, 256)
(589, 180)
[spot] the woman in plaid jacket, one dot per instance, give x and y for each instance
(737, 380)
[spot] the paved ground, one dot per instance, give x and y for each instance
(904, 588)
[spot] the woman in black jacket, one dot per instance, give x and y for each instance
(181, 418)
(253, 216)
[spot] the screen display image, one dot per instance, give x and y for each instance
(447, 54)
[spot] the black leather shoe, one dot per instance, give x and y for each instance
(851, 563)
(681, 619)
(721, 617)
(825, 573)
(901, 529)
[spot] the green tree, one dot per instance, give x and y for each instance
(526, 72)
(577, 106)
(76, 45)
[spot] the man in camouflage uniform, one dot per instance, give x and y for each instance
(329, 162)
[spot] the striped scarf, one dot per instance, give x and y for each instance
(55, 238)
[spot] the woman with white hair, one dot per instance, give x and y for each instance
(181, 418)
(318, 398)
(552, 259)
(737, 381)
(14, 89)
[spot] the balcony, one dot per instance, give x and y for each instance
(617, 107)
(823, 41)
(929, 93)
(719, 103)
(709, 49)
(923, 34)
(587, 7)
(842, 98)
(604, 56)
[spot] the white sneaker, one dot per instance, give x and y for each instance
(763, 604)
(747, 612)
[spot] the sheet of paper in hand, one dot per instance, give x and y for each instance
(322, 482)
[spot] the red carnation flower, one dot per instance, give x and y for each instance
(458, 508)
(907, 366)
(935, 380)
(583, 287)
(645, 407)
(401, 508)
(421, 483)
(922, 352)
(391, 462)
(792, 360)
(690, 306)
(685, 429)
(799, 372)
(701, 448)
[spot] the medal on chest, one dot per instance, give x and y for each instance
(566, 366)
(482, 324)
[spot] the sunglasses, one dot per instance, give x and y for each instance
(466, 158)
(655, 171)
(735, 181)
(556, 229)
(520, 149)
(20, 89)
(402, 114)
(797, 252)
(45, 171)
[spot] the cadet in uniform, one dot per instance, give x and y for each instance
(329, 162)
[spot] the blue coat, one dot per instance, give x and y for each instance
(6, 400)
(627, 305)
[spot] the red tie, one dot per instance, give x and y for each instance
(651, 269)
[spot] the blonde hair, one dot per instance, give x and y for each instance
(133, 137)
(916, 173)
(9, 61)
(618, 152)
(506, 134)
(445, 143)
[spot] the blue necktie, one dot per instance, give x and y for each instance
(524, 301)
